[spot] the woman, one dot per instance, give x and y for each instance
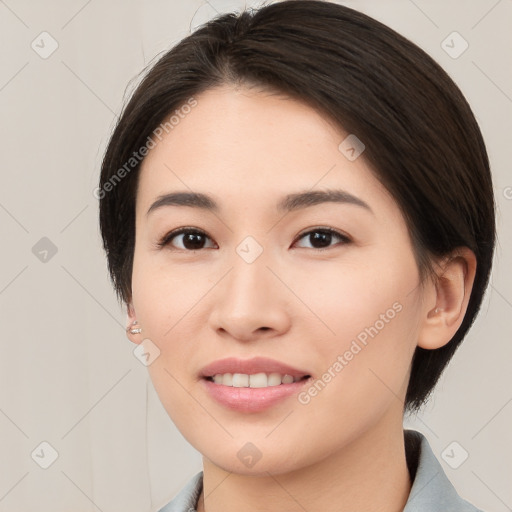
(298, 213)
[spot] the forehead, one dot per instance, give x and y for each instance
(241, 144)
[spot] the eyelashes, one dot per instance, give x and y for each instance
(167, 239)
(194, 237)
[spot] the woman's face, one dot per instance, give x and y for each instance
(259, 277)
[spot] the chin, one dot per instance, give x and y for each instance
(249, 461)
(261, 468)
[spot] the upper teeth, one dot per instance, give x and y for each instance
(256, 380)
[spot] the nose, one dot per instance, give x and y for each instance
(251, 302)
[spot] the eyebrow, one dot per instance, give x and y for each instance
(290, 202)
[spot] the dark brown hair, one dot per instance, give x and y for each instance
(421, 137)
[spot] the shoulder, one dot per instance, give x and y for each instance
(186, 499)
(431, 489)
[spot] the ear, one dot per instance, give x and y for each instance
(133, 326)
(447, 299)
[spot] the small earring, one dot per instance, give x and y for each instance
(437, 310)
(136, 330)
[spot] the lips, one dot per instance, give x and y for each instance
(251, 366)
(225, 382)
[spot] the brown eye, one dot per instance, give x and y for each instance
(321, 238)
(189, 239)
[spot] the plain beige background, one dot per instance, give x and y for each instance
(68, 374)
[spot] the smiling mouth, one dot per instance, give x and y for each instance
(256, 380)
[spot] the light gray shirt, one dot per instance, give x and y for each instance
(431, 490)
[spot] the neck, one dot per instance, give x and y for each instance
(368, 474)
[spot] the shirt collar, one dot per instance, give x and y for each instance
(431, 489)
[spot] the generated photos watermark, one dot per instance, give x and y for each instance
(342, 360)
(138, 156)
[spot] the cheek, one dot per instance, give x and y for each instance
(368, 317)
(358, 294)
(166, 303)
(165, 297)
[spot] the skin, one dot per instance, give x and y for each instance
(343, 450)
